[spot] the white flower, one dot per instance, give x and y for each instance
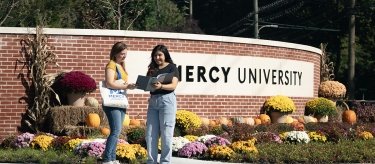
(297, 137)
(178, 143)
(204, 138)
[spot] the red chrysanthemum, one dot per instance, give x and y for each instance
(76, 81)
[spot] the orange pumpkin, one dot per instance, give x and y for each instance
(223, 121)
(265, 119)
(105, 131)
(205, 121)
(257, 121)
(349, 116)
(249, 121)
(93, 120)
(301, 120)
(135, 122)
(212, 123)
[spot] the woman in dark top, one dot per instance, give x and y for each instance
(162, 107)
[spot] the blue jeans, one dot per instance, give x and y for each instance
(161, 119)
(115, 119)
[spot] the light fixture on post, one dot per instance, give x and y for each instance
(264, 26)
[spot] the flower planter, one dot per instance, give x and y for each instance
(322, 118)
(276, 115)
(76, 99)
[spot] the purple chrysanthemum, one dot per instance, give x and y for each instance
(220, 141)
(24, 140)
(192, 149)
(93, 149)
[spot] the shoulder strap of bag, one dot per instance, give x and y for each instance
(118, 72)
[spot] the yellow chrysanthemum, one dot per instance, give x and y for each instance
(317, 137)
(365, 135)
(280, 103)
(191, 138)
(221, 152)
(245, 147)
(42, 141)
(131, 152)
(73, 143)
(186, 119)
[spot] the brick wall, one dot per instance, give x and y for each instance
(87, 51)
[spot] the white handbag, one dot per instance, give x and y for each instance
(113, 97)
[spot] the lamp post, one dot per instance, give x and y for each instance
(264, 26)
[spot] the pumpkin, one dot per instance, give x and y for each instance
(265, 119)
(237, 120)
(92, 102)
(322, 118)
(285, 119)
(223, 120)
(105, 131)
(212, 123)
(349, 116)
(249, 121)
(257, 121)
(93, 120)
(298, 126)
(308, 119)
(205, 121)
(135, 122)
(126, 122)
(301, 120)
(230, 123)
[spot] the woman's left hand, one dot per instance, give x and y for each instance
(157, 85)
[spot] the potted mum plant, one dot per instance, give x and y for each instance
(332, 90)
(321, 108)
(277, 106)
(74, 86)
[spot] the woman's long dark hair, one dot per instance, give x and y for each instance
(153, 66)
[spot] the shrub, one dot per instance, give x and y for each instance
(136, 135)
(332, 89)
(320, 106)
(365, 111)
(200, 131)
(242, 132)
(267, 137)
(279, 103)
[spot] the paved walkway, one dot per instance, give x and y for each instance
(178, 160)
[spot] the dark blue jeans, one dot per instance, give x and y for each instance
(115, 118)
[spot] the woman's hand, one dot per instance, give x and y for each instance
(158, 85)
(131, 86)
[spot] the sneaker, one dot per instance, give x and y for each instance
(116, 162)
(110, 162)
